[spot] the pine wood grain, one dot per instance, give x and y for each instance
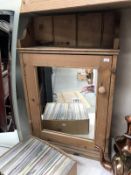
(40, 5)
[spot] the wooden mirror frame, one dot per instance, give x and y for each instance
(102, 60)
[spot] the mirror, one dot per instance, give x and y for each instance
(68, 100)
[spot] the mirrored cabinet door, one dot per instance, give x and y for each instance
(68, 100)
(68, 94)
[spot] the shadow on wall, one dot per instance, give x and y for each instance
(122, 97)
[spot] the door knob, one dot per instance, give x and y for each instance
(102, 90)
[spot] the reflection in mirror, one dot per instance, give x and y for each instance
(68, 100)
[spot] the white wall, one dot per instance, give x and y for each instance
(122, 98)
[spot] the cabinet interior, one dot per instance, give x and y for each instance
(99, 29)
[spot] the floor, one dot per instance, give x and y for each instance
(85, 166)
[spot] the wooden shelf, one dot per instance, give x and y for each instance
(61, 50)
(53, 5)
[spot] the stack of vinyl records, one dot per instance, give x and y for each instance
(36, 157)
(71, 118)
(65, 111)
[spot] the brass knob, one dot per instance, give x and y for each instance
(102, 90)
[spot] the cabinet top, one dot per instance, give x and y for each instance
(72, 51)
(29, 6)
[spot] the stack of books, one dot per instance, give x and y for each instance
(36, 157)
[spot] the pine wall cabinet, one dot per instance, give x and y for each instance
(68, 62)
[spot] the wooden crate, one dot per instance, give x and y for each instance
(67, 126)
